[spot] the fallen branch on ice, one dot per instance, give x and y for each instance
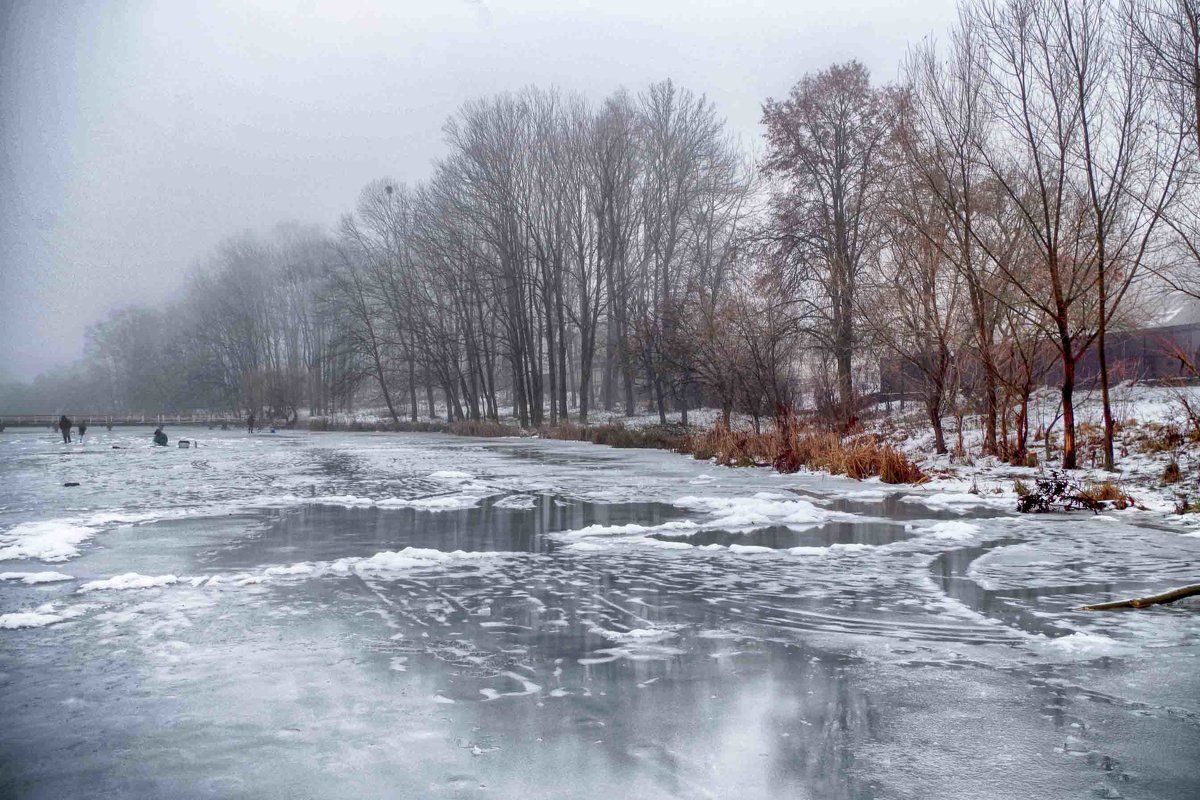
(1143, 602)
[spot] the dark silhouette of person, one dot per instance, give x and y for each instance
(64, 425)
(160, 438)
(250, 424)
(82, 430)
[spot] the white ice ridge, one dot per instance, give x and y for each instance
(31, 578)
(442, 502)
(761, 510)
(675, 527)
(129, 580)
(408, 559)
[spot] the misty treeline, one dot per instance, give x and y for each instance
(982, 224)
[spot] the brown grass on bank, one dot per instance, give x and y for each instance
(789, 447)
(1107, 491)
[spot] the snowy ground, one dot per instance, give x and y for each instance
(1138, 409)
(363, 615)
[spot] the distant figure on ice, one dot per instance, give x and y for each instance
(64, 425)
(250, 424)
(160, 438)
(82, 431)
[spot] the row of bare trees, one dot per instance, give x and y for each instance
(253, 331)
(551, 262)
(992, 217)
(986, 222)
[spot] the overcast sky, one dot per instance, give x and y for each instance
(137, 135)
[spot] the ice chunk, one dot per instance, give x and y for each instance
(517, 502)
(749, 549)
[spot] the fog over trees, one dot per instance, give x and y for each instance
(986, 220)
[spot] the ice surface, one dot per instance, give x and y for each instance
(337, 615)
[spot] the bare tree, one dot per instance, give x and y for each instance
(829, 149)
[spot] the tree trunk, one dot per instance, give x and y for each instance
(1069, 460)
(933, 406)
(412, 391)
(1102, 356)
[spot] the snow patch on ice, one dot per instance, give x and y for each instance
(528, 687)
(957, 502)
(1084, 646)
(518, 502)
(950, 530)
(632, 529)
(453, 502)
(40, 617)
(303, 568)
(634, 635)
(830, 549)
(50, 541)
(761, 510)
(451, 476)
(408, 559)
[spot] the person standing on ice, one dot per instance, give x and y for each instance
(250, 423)
(64, 426)
(160, 438)
(82, 431)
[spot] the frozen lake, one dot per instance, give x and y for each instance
(359, 615)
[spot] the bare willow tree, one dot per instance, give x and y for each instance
(946, 121)
(913, 300)
(830, 153)
(1083, 155)
(1167, 35)
(1129, 152)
